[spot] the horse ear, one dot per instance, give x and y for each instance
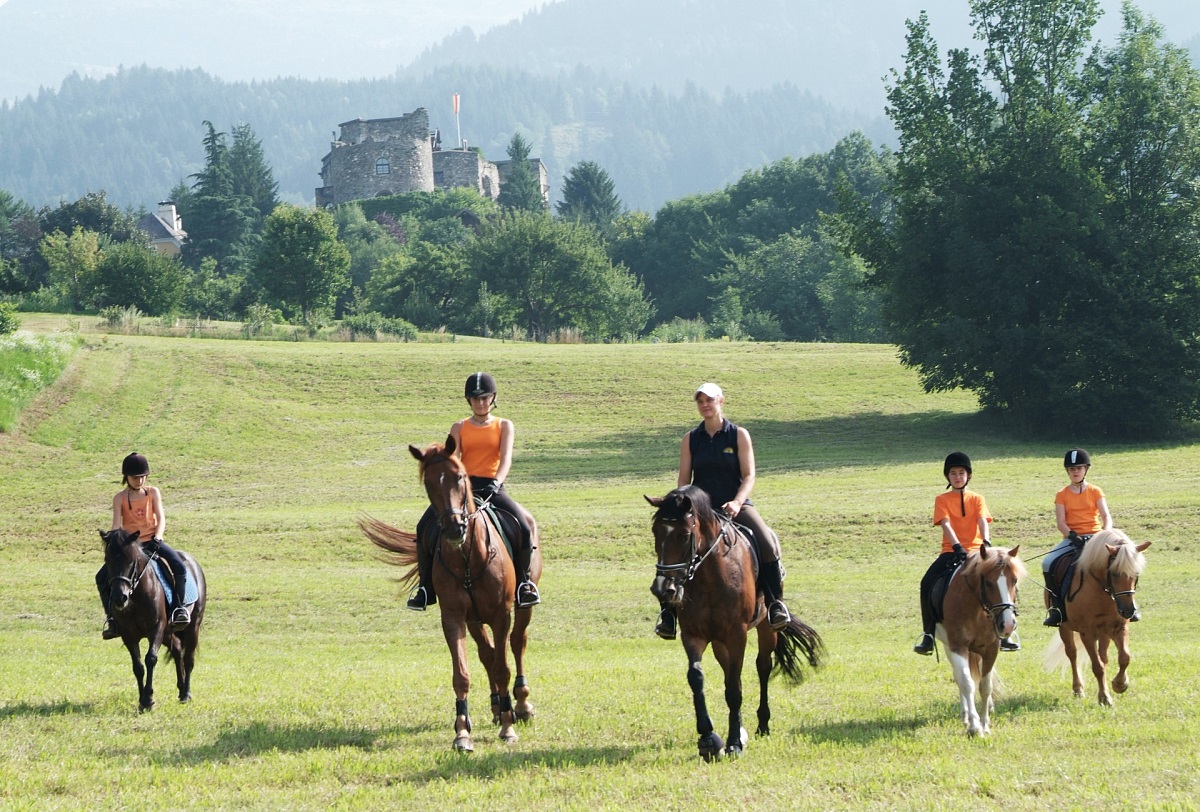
(656, 501)
(1013, 551)
(985, 552)
(134, 535)
(1113, 548)
(450, 445)
(416, 452)
(1141, 548)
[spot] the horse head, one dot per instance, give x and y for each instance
(684, 525)
(126, 562)
(1116, 562)
(449, 489)
(998, 572)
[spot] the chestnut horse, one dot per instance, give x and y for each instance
(980, 607)
(1100, 607)
(706, 572)
(475, 583)
(140, 608)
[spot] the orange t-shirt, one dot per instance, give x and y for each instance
(950, 506)
(1082, 509)
(139, 516)
(480, 448)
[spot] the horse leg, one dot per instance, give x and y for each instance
(455, 633)
(960, 663)
(710, 744)
(500, 675)
(767, 640)
(986, 665)
(730, 655)
(139, 673)
(520, 639)
(1121, 681)
(146, 698)
(1072, 651)
(1099, 657)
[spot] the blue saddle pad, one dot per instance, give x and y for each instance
(191, 593)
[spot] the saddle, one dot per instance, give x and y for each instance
(937, 595)
(504, 521)
(1062, 573)
(745, 534)
(167, 579)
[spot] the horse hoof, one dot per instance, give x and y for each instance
(1078, 693)
(508, 735)
(185, 698)
(711, 747)
(524, 714)
(1120, 687)
(463, 744)
(733, 750)
(145, 708)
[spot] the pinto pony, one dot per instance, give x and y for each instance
(140, 608)
(980, 608)
(1100, 606)
(705, 571)
(475, 583)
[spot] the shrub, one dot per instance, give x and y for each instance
(8, 318)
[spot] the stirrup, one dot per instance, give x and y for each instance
(418, 601)
(665, 627)
(779, 616)
(527, 594)
(110, 629)
(1007, 644)
(180, 619)
(925, 644)
(1054, 617)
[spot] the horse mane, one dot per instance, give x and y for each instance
(673, 509)
(1095, 557)
(976, 565)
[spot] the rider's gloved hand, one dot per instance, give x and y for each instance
(960, 554)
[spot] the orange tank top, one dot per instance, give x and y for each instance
(139, 516)
(480, 448)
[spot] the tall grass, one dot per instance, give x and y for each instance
(29, 363)
(315, 689)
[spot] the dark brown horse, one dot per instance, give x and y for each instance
(980, 607)
(140, 607)
(1100, 606)
(706, 572)
(475, 583)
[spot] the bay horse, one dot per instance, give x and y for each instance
(1100, 606)
(979, 608)
(141, 610)
(706, 571)
(475, 583)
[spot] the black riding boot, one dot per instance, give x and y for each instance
(422, 595)
(1055, 615)
(665, 626)
(110, 629)
(772, 582)
(527, 591)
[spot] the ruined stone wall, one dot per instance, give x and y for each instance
(455, 168)
(385, 156)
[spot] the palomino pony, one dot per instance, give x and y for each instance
(706, 572)
(1100, 606)
(980, 607)
(140, 608)
(475, 583)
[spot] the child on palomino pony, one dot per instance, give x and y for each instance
(965, 521)
(138, 507)
(1080, 511)
(484, 445)
(718, 458)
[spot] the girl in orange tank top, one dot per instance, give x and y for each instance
(484, 443)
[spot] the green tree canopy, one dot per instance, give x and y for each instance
(131, 274)
(589, 195)
(301, 264)
(521, 188)
(1039, 247)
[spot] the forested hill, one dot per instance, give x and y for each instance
(839, 51)
(136, 134)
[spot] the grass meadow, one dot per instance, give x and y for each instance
(316, 689)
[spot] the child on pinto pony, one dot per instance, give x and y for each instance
(964, 518)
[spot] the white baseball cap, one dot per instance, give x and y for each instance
(710, 389)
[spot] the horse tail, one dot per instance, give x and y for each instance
(795, 645)
(400, 547)
(1054, 658)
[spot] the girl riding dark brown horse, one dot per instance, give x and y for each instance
(139, 604)
(474, 579)
(706, 572)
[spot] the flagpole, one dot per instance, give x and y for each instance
(457, 123)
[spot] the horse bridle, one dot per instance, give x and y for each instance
(1108, 586)
(689, 567)
(993, 609)
(134, 578)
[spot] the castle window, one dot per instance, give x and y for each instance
(439, 178)
(382, 167)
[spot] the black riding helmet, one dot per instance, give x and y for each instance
(135, 465)
(480, 384)
(956, 459)
(1077, 456)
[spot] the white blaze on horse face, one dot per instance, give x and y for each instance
(1007, 595)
